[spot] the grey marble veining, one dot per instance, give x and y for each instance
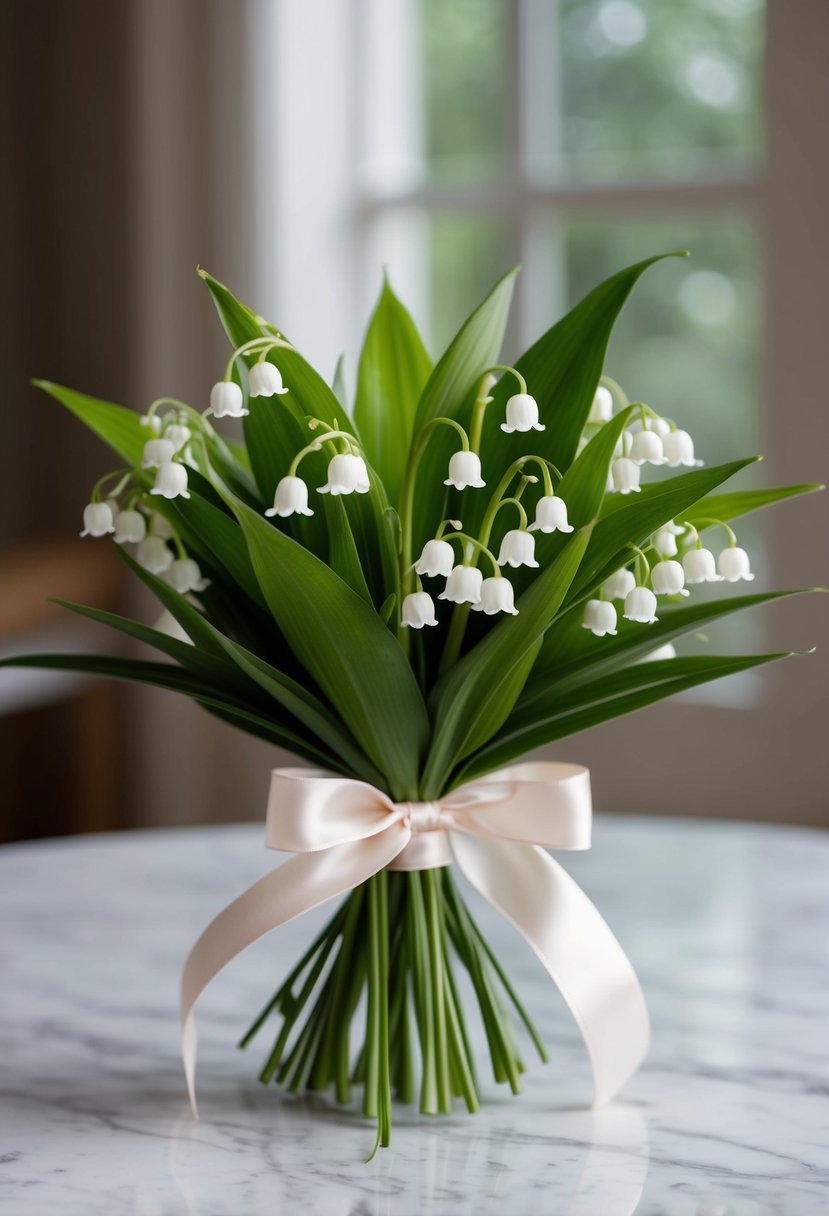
(726, 924)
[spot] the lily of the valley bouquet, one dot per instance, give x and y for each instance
(409, 596)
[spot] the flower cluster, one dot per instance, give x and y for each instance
(672, 559)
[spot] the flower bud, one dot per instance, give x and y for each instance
(130, 527)
(171, 481)
(184, 575)
(678, 447)
(664, 541)
(156, 453)
(347, 474)
(265, 380)
(625, 475)
(152, 422)
(550, 515)
(699, 567)
(668, 578)
(599, 618)
(522, 414)
(290, 498)
(518, 549)
(640, 605)
(464, 470)
(497, 595)
(659, 426)
(602, 408)
(646, 448)
(437, 558)
(178, 434)
(463, 586)
(152, 553)
(618, 585)
(418, 610)
(97, 519)
(733, 565)
(226, 400)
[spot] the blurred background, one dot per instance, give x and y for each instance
(294, 148)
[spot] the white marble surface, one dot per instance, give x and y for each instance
(726, 924)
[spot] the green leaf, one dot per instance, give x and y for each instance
(345, 647)
(343, 557)
(118, 427)
(572, 655)
(175, 679)
(600, 701)
(393, 370)
(472, 700)
(742, 502)
(338, 385)
(630, 519)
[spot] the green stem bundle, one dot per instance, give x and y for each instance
(397, 941)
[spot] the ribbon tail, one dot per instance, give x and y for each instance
(574, 943)
(300, 884)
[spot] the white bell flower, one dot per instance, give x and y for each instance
(437, 558)
(733, 565)
(660, 426)
(625, 475)
(699, 567)
(226, 400)
(497, 595)
(184, 575)
(168, 624)
(463, 586)
(347, 474)
(156, 453)
(179, 435)
(265, 380)
(640, 605)
(153, 554)
(418, 610)
(602, 408)
(152, 422)
(522, 414)
(678, 447)
(599, 618)
(465, 470)
(664, 541)
(130, 527)
(673, 527)
(646, 448)
(517, 549)
(290, 498)
(171, 481)
(97, 519)
(618, 585)
(668, 578)
(550, 515)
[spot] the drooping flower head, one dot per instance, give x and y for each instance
(517, 549)
(497, 595)
(464, 471)
(463, 586)
(418, 610)
(97, 519)
(437, 558)
(265, 380)
(171, 481)
(290, 498)
(550, 515)
(522, 414)
(599, 618)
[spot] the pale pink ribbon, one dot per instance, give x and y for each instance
(345, 831)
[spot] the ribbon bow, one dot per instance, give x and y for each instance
(345, 831)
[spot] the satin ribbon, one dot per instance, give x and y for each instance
(345, 831)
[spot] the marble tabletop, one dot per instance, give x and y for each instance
(729, 1116)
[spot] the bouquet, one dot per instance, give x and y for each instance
(409, 596)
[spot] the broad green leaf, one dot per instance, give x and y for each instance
(343, 557)
(571, 654)
(338, 385)
(630, 519)
(393, 370)
(725, 507)
(345, 647)
(562, 370)
(118, 427)
(175, 679)
(600, 701)
(471, 701)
